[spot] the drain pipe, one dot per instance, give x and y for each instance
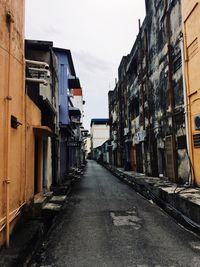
(8, 98)
(186, 112)
(40, 70)
(36, 80)
(37, 63)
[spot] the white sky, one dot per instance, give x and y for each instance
(98, 33)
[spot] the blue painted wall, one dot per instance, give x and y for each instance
(63, 72)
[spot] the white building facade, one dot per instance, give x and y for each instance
(99, 133)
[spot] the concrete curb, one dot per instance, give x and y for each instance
(182, 203)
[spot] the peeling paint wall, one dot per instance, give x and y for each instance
(164, 31)
(152, 99)
(12, 95)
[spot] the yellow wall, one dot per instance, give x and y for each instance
(12, 153)
(191, 29)
(33, 118)
(16, 145)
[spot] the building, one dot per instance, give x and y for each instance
(102, 153)
(99, 133)
(70, 114)
(76, 113)
(23, 127)
(146, 107)
(191, 33)
(13, 180)
(119, 117)
(115, 157)
(45, 97)
(40, 126)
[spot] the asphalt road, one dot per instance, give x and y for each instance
(105, 223)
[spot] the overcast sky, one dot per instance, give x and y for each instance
(98, 33)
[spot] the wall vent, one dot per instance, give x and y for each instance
(196, 140)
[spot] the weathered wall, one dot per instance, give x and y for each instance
(12, 95)
(166, 77)
(150, 121)
(17, 144)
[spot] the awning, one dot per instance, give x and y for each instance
(42, 131)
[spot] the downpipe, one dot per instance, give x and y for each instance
(186, 107)
(8, 98)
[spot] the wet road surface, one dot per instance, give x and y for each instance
(105, 223)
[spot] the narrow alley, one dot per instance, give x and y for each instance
(106, 223)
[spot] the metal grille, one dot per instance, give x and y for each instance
(196, 140)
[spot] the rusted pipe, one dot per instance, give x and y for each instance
(10, 220)
(11, 213)
(8, 98)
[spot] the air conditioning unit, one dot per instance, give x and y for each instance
(197, 122)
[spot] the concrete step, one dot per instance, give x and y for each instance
(52, 207)
(48, 195)
(40, 201)
(38, 204)
(58, 199)
(50, 210)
